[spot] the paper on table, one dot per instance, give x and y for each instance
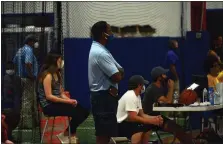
(193, 86)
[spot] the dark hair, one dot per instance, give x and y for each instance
(97, 30)
(132, 87)
(172, 43)
(50, 66)
(209, 63)
(30, 38)
(155, 79)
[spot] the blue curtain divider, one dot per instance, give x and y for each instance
(136, 55)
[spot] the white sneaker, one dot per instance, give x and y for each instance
(63, 139)
(73, 140)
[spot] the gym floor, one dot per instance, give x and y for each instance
(86, 131)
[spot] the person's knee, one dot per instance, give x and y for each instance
(80, 114)
(146, 136)
(84, 113)
(137, 138)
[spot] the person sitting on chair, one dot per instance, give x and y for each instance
(53, 101)
(212, 68)
(155, 93)
(220, 77)
(132, 121)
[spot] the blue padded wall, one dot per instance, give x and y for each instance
(76, 69)
(136, 55)
(194, 53)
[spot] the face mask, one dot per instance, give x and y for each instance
(10, 72)
(143, 90)
(62, 64)
(36, 45)
(109, 39)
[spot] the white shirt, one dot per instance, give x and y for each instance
(128, 102)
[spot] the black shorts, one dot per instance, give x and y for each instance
(127, 129)
(104, 109)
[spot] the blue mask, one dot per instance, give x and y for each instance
(109, 39)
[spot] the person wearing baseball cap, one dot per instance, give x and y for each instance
(156, 93)
(212, 67)
(133, 123)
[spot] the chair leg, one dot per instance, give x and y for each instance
(44, 129)
(113, 141)
(160, 140)
(52, 130)
(69, 130)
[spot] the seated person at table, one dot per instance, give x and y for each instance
(154, 93)
(220, 77)
(53, 100)
(133, 123)
(213, 53)
(212, 68)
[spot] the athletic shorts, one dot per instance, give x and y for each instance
(104, 109)
(127, 129)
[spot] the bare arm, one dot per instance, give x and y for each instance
(64, 96)
(169, 97)
(142, 114)
(29, 57)
(133, 117)
(121, 70)
(29, 70)
(145, 119)
(48, 91)
(116, 78)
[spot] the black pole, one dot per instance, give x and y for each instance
(59, 27)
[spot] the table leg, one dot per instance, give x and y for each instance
(174, 134)
(202, 124)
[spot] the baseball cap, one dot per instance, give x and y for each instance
(135, 80)
(158, 71)
(30, 38)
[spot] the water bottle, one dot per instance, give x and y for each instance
(211, 95)
(217, 98)
(175, 97)
(205, 95)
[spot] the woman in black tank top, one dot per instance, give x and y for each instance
(53, 100)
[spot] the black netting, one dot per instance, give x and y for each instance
(128, 19)
(20, 19)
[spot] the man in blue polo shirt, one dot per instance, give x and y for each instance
(27, 69)
(172, 63)
(104, 74)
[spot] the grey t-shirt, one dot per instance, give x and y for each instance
(151, 96)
